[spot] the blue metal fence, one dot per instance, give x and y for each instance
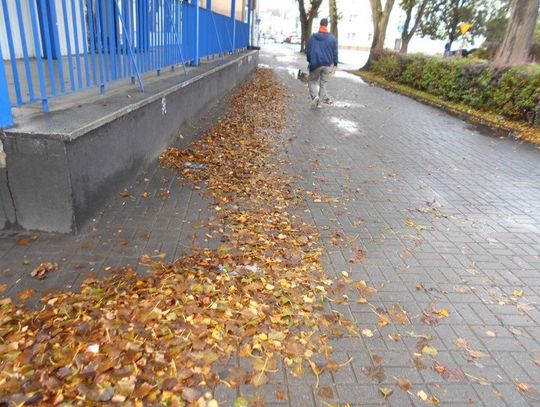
(57, 47)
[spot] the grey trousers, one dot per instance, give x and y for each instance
(317, 81)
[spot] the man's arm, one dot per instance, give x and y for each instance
(308, 51)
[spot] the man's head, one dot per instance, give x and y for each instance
(324, 22)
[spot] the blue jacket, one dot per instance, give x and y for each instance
(322, 50)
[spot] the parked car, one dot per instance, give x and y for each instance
(292, 39)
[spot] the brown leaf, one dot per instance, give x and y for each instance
(122, 242)
(25, 294)
(375, 372)
(326, 392)
(523, 387)
(332, 365)
(23, 242)
(43, 268)
(399, 315)
(464, 344)
(236, 376)
(404, 384)
(259, 379)
(281, 395)
(418, 362)
(3, 288)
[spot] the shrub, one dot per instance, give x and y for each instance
(512, 92)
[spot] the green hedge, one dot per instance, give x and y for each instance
(512, 92)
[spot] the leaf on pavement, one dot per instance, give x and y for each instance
(385, 392)
(404, 384)
(326, 392)
(25, 294)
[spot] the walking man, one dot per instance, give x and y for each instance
(322, 57)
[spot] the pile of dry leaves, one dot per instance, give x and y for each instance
(155, 339)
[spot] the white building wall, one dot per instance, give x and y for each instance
(28, 31)
(14, 22)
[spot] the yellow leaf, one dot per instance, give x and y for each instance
(367, 332)
(430, 350)
(259, 379)
(385, 391)
(422, 394)
(443, 312)
(517, 293)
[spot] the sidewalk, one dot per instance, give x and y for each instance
(441, 221)
(449, 220)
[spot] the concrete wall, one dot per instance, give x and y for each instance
(57, 184)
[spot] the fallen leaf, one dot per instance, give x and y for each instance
(524, 388)
(464, 344)
(375, 372)
(430, 350)
(326, 392)
(25, 294)
(418, 362)
(367, 332)
(44, 268)
(491, 334)
(23, 242)
(236, 376)
(515, 331)
(3, 288)
(422, 394)
(259, 379)
(517, 293)
(404, 384)
(281, 395)
(385, 392)
(241, 402)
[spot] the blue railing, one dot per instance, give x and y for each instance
(55, 47)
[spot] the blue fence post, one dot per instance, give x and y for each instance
(249, 23)
(6, 119)
(197, 33)
(233, 16)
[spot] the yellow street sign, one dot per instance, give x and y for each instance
(464, 27)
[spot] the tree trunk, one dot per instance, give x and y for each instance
(408, 33)
(334, 17)
(405, 39)
(380, 19)
(303, 39)
(517, 38)
(306, 20)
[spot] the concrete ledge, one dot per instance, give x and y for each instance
(63, 166)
